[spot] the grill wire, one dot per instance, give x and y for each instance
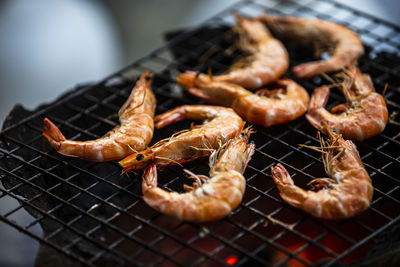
(92, 215)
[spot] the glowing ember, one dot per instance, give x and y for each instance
(231, 260)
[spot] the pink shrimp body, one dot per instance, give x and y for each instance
(220, 124)
(211, 198)
(134, 133)
(344, 45)
(363, 116)
(266, 59)
(264, 107)
(346, 193)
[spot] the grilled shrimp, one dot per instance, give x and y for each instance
(266, 59)
(346, 193)
(134, 133)
(343, 44)
(221, 124)
(264, 107)
(211, 198)
(364, 115)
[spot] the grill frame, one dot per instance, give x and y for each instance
(115, 88)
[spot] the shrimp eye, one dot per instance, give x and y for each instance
(139, 157)
(243, 134)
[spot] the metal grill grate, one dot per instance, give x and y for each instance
(91, 214)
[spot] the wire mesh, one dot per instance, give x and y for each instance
(92, 215)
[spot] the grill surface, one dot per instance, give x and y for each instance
(91, 214)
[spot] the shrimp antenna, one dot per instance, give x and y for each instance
(210, 75)
(212, 50)
(392, 121)
(320, 149)
(132, 149)
(202, 149)
(198, 177)
(241, 129)
(328, 78)
(161, 142)
(348, 80)
(334, 82)
(217, 153)
(321, 140)
(385, 89)
(346, 93)
(213, 158)
(323, 146)
(206, 143)
(169, 160)
(178, 133)
(165, 140)
(199, 180)
(125, 172)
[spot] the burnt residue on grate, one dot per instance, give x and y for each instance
(92, 215)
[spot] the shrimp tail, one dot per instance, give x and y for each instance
(52, 134)
(310, 69)
(149, 178)
(319, 97)
(318, 100)
(170, 117)
(289, 192)
(187, 79)
(281, 176)
(194, 112)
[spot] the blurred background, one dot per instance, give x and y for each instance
(50, 46)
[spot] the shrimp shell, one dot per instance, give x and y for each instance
(134, 133)
(344, 45)
(363, 116)
(346, 193)
(220, 124)
(264, 107)
(266, 59)
(216, 197)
